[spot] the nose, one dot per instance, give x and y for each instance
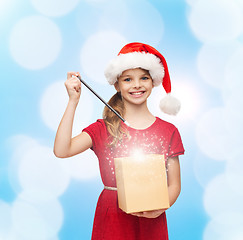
(137, 83)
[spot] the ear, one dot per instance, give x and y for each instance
(116, 85)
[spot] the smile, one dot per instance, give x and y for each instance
(137, 93)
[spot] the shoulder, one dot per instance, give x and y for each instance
(99, 123)
(98, 126)
(169, 131)
(165, 125)
(98, 133)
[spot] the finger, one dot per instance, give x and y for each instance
(73, 83)
(73, 80)
(138, 214)
(135, 214)
(70, 74)
(77, 87)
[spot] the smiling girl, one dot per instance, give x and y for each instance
(136, 70)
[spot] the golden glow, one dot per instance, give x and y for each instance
(138, 155)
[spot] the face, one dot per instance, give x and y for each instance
(135, 86)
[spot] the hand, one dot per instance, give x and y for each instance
(149, 214)
(73, 85)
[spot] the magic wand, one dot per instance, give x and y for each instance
(102, 100)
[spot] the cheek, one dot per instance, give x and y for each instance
(124, 87)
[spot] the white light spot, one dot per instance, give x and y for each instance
(205, 169)
(239, 3)
(142, 28)
(212, 61)
(138, 155)
(233, 119)
(36, 170)
(53, 104)
(40, 170)
(5, 219)
(35, 42)
(5, 6)
(185, 92)
(82, 166)
(216, 20)
(191, 2)
(92, 17)
(19, 144)
(189, 96)
(234, 173)
(38, 221)
(224, 226)
(212, 137)
(219, 197)
(97, 51)
(54, 8)
(233, 84)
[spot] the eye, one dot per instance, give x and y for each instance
(127, 79)
(144, 78)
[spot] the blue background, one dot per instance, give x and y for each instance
(170, 26)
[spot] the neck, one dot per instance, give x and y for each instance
(138, 116)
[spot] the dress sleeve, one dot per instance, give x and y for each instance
(176, 146)
(95, 131)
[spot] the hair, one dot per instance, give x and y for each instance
(112, 121)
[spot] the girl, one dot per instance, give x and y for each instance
(134, 72)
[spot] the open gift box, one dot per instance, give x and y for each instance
(141, 183)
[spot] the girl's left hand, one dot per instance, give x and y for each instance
(149, 214)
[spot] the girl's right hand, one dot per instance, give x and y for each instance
(73, 86)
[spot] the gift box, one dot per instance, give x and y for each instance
(141, 183)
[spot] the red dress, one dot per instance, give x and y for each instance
(110, 222)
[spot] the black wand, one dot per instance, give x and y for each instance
(102, 100)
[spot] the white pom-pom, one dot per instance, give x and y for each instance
(170, 105)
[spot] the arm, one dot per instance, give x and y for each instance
(174, 187)
(65, 145)
(173, 179)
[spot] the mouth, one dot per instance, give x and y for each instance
(137, 94)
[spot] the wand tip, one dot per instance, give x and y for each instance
(127, 123)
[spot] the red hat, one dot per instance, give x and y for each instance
(140, 55)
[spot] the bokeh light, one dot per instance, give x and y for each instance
(37, 220)
(35, 42)
(83, 166)
(54, 102)
(212, 61)
(212, 137)
(216, 20)
(233, 85)
(54, 8)
(38, 162)
(97, 51)
(5, 219)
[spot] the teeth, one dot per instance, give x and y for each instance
(137, 93)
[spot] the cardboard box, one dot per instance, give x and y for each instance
(141, 183)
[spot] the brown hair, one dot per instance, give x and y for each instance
(112, 121)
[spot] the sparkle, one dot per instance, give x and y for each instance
(138, 154)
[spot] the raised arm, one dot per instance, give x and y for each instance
(65, 145)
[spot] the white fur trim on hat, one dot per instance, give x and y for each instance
(133, 60)
(170, 105)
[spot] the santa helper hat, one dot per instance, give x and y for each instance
(140, 55)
